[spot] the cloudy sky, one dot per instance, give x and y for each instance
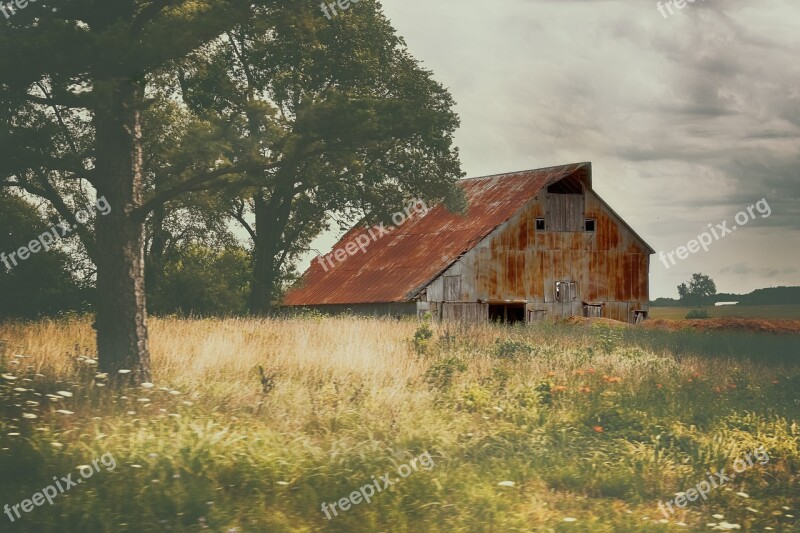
(687, 119)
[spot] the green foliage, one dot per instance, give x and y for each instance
(203, 282)
(441, 374)
(608, 337)
(422, 338)
(700, 288)
(42, 285)
(513, 349)
(697, 314)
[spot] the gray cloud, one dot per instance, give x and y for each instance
(687, 120)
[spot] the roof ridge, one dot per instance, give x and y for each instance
(579, 164)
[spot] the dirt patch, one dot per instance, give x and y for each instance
(754, 325)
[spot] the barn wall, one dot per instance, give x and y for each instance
(518, 263)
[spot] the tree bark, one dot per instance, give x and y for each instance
(121, 324)
(271, 219)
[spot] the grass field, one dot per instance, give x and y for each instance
(741, 311)
(545, 428)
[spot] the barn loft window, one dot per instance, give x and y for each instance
(589, 225)
(452, 288)
(566, 291)
(540, 224)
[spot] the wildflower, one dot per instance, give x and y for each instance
(775, 382)
(585, 389)
(598, 429)
(590, 370)
(506, 484)
(551, 374)
(9, 377)
(570, 519)
(579, 372)
(659, 386)
(123, 371)
(65, 394)
(147, 385)
(101, 375)
(29, 415)
(743, 494)
(559, 388)
(65, 412)
(731, 385)
(696, 375)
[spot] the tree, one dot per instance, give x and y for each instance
(356, 123)
(73, 87)
(44, 284)
(699, 289)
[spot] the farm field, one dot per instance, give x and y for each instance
(539, 428)
(743, 311)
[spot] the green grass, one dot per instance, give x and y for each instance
(591, 424)
(741, 311)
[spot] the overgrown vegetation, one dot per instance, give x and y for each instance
(254, 423)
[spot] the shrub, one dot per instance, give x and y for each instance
(511, 349)
(697, 314)
(422, 338)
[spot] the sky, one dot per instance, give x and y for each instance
(688, 118)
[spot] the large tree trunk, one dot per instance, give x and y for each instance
(271, 220)
(121, 312)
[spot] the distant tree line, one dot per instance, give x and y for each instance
(701, 290)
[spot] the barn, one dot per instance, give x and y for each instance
(532, 245)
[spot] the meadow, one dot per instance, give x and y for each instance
(251, 425)
(740, 311)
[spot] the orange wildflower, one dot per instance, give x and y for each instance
(598, 429)
(559, 388)
(584, 389)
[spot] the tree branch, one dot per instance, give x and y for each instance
(197, 183)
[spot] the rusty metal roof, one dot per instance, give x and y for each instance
(395, 267)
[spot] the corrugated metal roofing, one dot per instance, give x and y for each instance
(396, 266)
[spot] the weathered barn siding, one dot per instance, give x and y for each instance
(518, 263)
